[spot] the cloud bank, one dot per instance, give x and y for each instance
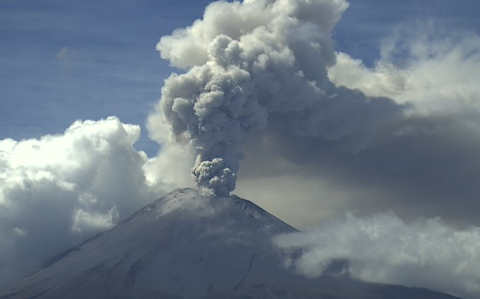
(385, 249)
(61, 189)
(433, 68)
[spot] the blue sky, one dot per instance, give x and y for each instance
(67, 60)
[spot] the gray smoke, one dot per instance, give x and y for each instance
(257, 64)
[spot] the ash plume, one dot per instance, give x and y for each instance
(261, 64)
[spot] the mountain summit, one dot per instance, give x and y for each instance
(186, 245)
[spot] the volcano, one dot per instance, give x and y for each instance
(186, 245)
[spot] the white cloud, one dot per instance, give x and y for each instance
(60, 189)
(384, 249)
(433, 69)
(171, 167)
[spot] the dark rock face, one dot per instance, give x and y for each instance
(185, 245)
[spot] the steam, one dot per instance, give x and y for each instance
(257, 64)
(384, 249)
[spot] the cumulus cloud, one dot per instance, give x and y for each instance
(434, 69)
(385, 249)
(171, 167)
(257, 64)
(61, 189)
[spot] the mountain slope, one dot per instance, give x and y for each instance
(189, 246)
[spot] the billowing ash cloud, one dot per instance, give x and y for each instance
(257, 64)
(385, 249)
(426, 164)
(60, 189)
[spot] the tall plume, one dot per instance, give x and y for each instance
(257, 64)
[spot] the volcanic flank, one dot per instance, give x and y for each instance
(186, 245)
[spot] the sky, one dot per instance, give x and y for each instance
(311, 109)
(68, 60)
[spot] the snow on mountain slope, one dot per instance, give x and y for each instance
(189, 246)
